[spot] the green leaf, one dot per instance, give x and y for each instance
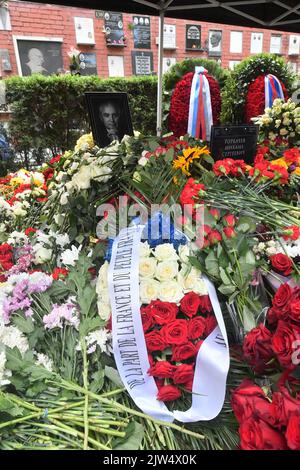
(246, 225)
(227, 290)
(225, 279)
(113, 375)
(212, 265)
(9, 407)
(25, 325)
(134, 439)
(90, 324)
(98, 381)
(248, 319)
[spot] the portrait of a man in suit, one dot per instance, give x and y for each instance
(110, 116)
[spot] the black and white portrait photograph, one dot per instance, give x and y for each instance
(109, 115)
(37, 56)
(215, 42)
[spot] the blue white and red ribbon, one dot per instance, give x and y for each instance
(273, 90)
(200, 111)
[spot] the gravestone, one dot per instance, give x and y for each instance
(142, 32)
(142, 63)
(237, 142)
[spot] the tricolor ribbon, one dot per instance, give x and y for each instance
(273, 90)
(200, 111)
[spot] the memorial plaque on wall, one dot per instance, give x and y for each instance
(113, 23)
(142, 32)
(142, 63)
(88, 63)
(192, 37)
(237, 142)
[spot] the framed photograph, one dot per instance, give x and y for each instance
(38, 55)
(84, 28)
(215, 42)
(110, 117)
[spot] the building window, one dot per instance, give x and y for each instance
(4, 19)
(116, 66)
(236, 42)
(275, 44)
(256, 43)
(233, 64)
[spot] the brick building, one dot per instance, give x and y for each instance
(28, 29)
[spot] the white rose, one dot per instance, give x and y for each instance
(184, 253)
(166, 270)
(102, 276)
(103, 295)
(104, 310)
(19, 212)
(170, 291)
(165, 252)
(145, 250)
(64, 198)
(143, 161)
(82, 179)
(192, 281)
(147, 267)
(149, 289)
(42, 255)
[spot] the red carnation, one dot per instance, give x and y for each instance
(229, 220)
(282, 264)
(162, 369)
(214, 237)
(30, 231)
(168, 393)
(291, 233)
(229, 232)
(183, 374)
(190, 304)
(175, 332)
(59, 273)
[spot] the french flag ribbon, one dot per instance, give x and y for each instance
(200, 111)
(273, 90)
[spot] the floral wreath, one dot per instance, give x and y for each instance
(180, 101)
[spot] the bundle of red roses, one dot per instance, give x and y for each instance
(267, 421)
(6, 260)
(174, 334)
(180, 102)
(276, 343)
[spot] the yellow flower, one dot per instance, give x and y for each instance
(16, 181)
(297, 171)
(280, 162)
(189, 155)
(85, 142)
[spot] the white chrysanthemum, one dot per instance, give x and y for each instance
(42, 254)
(165, 251)
(149, 289)
(17, 238)
(4, 373)
(61, 239)
(101, 338)
(147, 267)
(170, 291)
(166, 270)
(70, 256)
(45, 361)
(82, 179)
(12, 337)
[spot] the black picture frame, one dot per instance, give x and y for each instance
(118, 101)
(39, 56)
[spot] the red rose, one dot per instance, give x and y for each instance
(293, 432)
(229, 232)
(147, 318)
(284, 405)
(215, 213)
(229, 220)
(196, 327)
(183, 352)
(255, 434)
(168, 393)
(205, 304)
(214, 237)
(162, 369)
(272, 316)
(190, 304)
(257, 348)
(281, 301)
(211, 323)
(295, 311)
(282, 263)
(183, 374)
(295, 294)
(176, 332)
(155, 341)
(283, 342)
(163, 312)
(249, 400)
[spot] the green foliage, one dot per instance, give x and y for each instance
(236, 87)
(177, 71)
(50, 112)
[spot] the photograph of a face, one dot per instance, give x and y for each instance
(110, 117)
(44, 57)
(215, 42)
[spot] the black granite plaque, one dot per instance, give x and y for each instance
(142, 63)
(113, 23)
(141, 32)
(88, 63)
(193, 37)
(237, 142)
